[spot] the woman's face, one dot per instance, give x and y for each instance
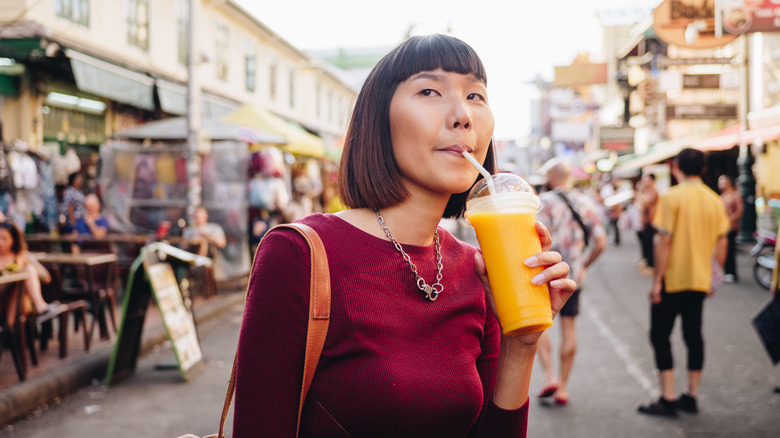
(6, 241)
(434, 115)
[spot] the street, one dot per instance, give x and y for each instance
(613, 373)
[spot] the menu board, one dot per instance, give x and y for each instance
(177, 320)
(152, 277)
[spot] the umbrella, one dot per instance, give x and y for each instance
(298, 140)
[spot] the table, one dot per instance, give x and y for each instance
(95, 292)
(11, 292)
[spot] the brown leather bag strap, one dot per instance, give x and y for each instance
(319, 318)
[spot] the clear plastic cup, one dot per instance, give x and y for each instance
(504, 218)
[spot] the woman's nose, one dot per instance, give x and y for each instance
(460, 117)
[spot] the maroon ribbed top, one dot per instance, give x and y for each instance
(393, 364)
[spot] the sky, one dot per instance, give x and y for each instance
(516, 39)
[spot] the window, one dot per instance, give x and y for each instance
(250, 65)
(76, 11)
(272, 80)
(292, 88)
(182, 30)
(318, 100)
(138, 23)
(221, 47)
(330, 106)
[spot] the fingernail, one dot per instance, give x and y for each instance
(538, 279)
(531, 261)
(558, 284)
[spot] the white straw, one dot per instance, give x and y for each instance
(482, 170)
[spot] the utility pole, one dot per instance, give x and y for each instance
(193, 111)
(746, 180)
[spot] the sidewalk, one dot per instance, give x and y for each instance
(53, 378)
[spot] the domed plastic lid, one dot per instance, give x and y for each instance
(506, 187)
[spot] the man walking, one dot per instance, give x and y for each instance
(692, 224)
(573, 221)
(732, 200)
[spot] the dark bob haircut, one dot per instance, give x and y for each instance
(690, 161)
(368, 174)
(19, 244)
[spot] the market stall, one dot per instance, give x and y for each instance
(144, 181)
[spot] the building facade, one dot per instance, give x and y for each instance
(72, 72)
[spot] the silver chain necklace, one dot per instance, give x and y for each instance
(431, 292)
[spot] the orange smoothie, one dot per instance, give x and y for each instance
(506, 240)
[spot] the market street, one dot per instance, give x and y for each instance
(613, 373)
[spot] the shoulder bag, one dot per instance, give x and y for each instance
(585, 229)
(319, 318)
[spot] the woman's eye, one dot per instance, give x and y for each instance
(429, 92)
(476, 96)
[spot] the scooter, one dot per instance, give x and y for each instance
(764, 253)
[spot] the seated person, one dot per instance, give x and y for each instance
(205, 231)
(208, 237)
(93, 222)
(15, 258)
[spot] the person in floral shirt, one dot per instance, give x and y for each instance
(732, 200)
(580, 242)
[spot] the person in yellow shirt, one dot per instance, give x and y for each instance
(692, 227)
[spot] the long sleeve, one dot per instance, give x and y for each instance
(272, 340)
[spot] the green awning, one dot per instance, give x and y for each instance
(9, 85)
(21, 49)
(111, 81)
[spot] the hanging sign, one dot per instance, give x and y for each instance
(743, 16)
(688, 23)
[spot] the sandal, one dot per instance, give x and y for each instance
(547, 391)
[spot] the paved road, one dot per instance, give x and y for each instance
(613, 373)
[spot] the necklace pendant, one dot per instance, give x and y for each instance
(430, 293)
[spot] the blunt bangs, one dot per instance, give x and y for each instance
(430, 52)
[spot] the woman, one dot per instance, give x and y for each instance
(73, 201)
(394, 363)
(15, 258)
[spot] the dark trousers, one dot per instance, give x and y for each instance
(689, 306)
(613, 224)
(731, 255)
(646, 237)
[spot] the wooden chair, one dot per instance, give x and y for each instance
(103, 282)
(78, 308)
(12, 333)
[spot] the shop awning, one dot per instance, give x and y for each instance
(734, 136)
(173, 100)
(656, 154)
(111, 81)
(9, 85)
(173, 97)
(299, 141)
(175, 128)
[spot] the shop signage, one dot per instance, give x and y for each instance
(571, 132)
(664, 62)
(743, 16)
(700, 81)
(617, 138)
(580, 74)
(688, 23)
(702, 112)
